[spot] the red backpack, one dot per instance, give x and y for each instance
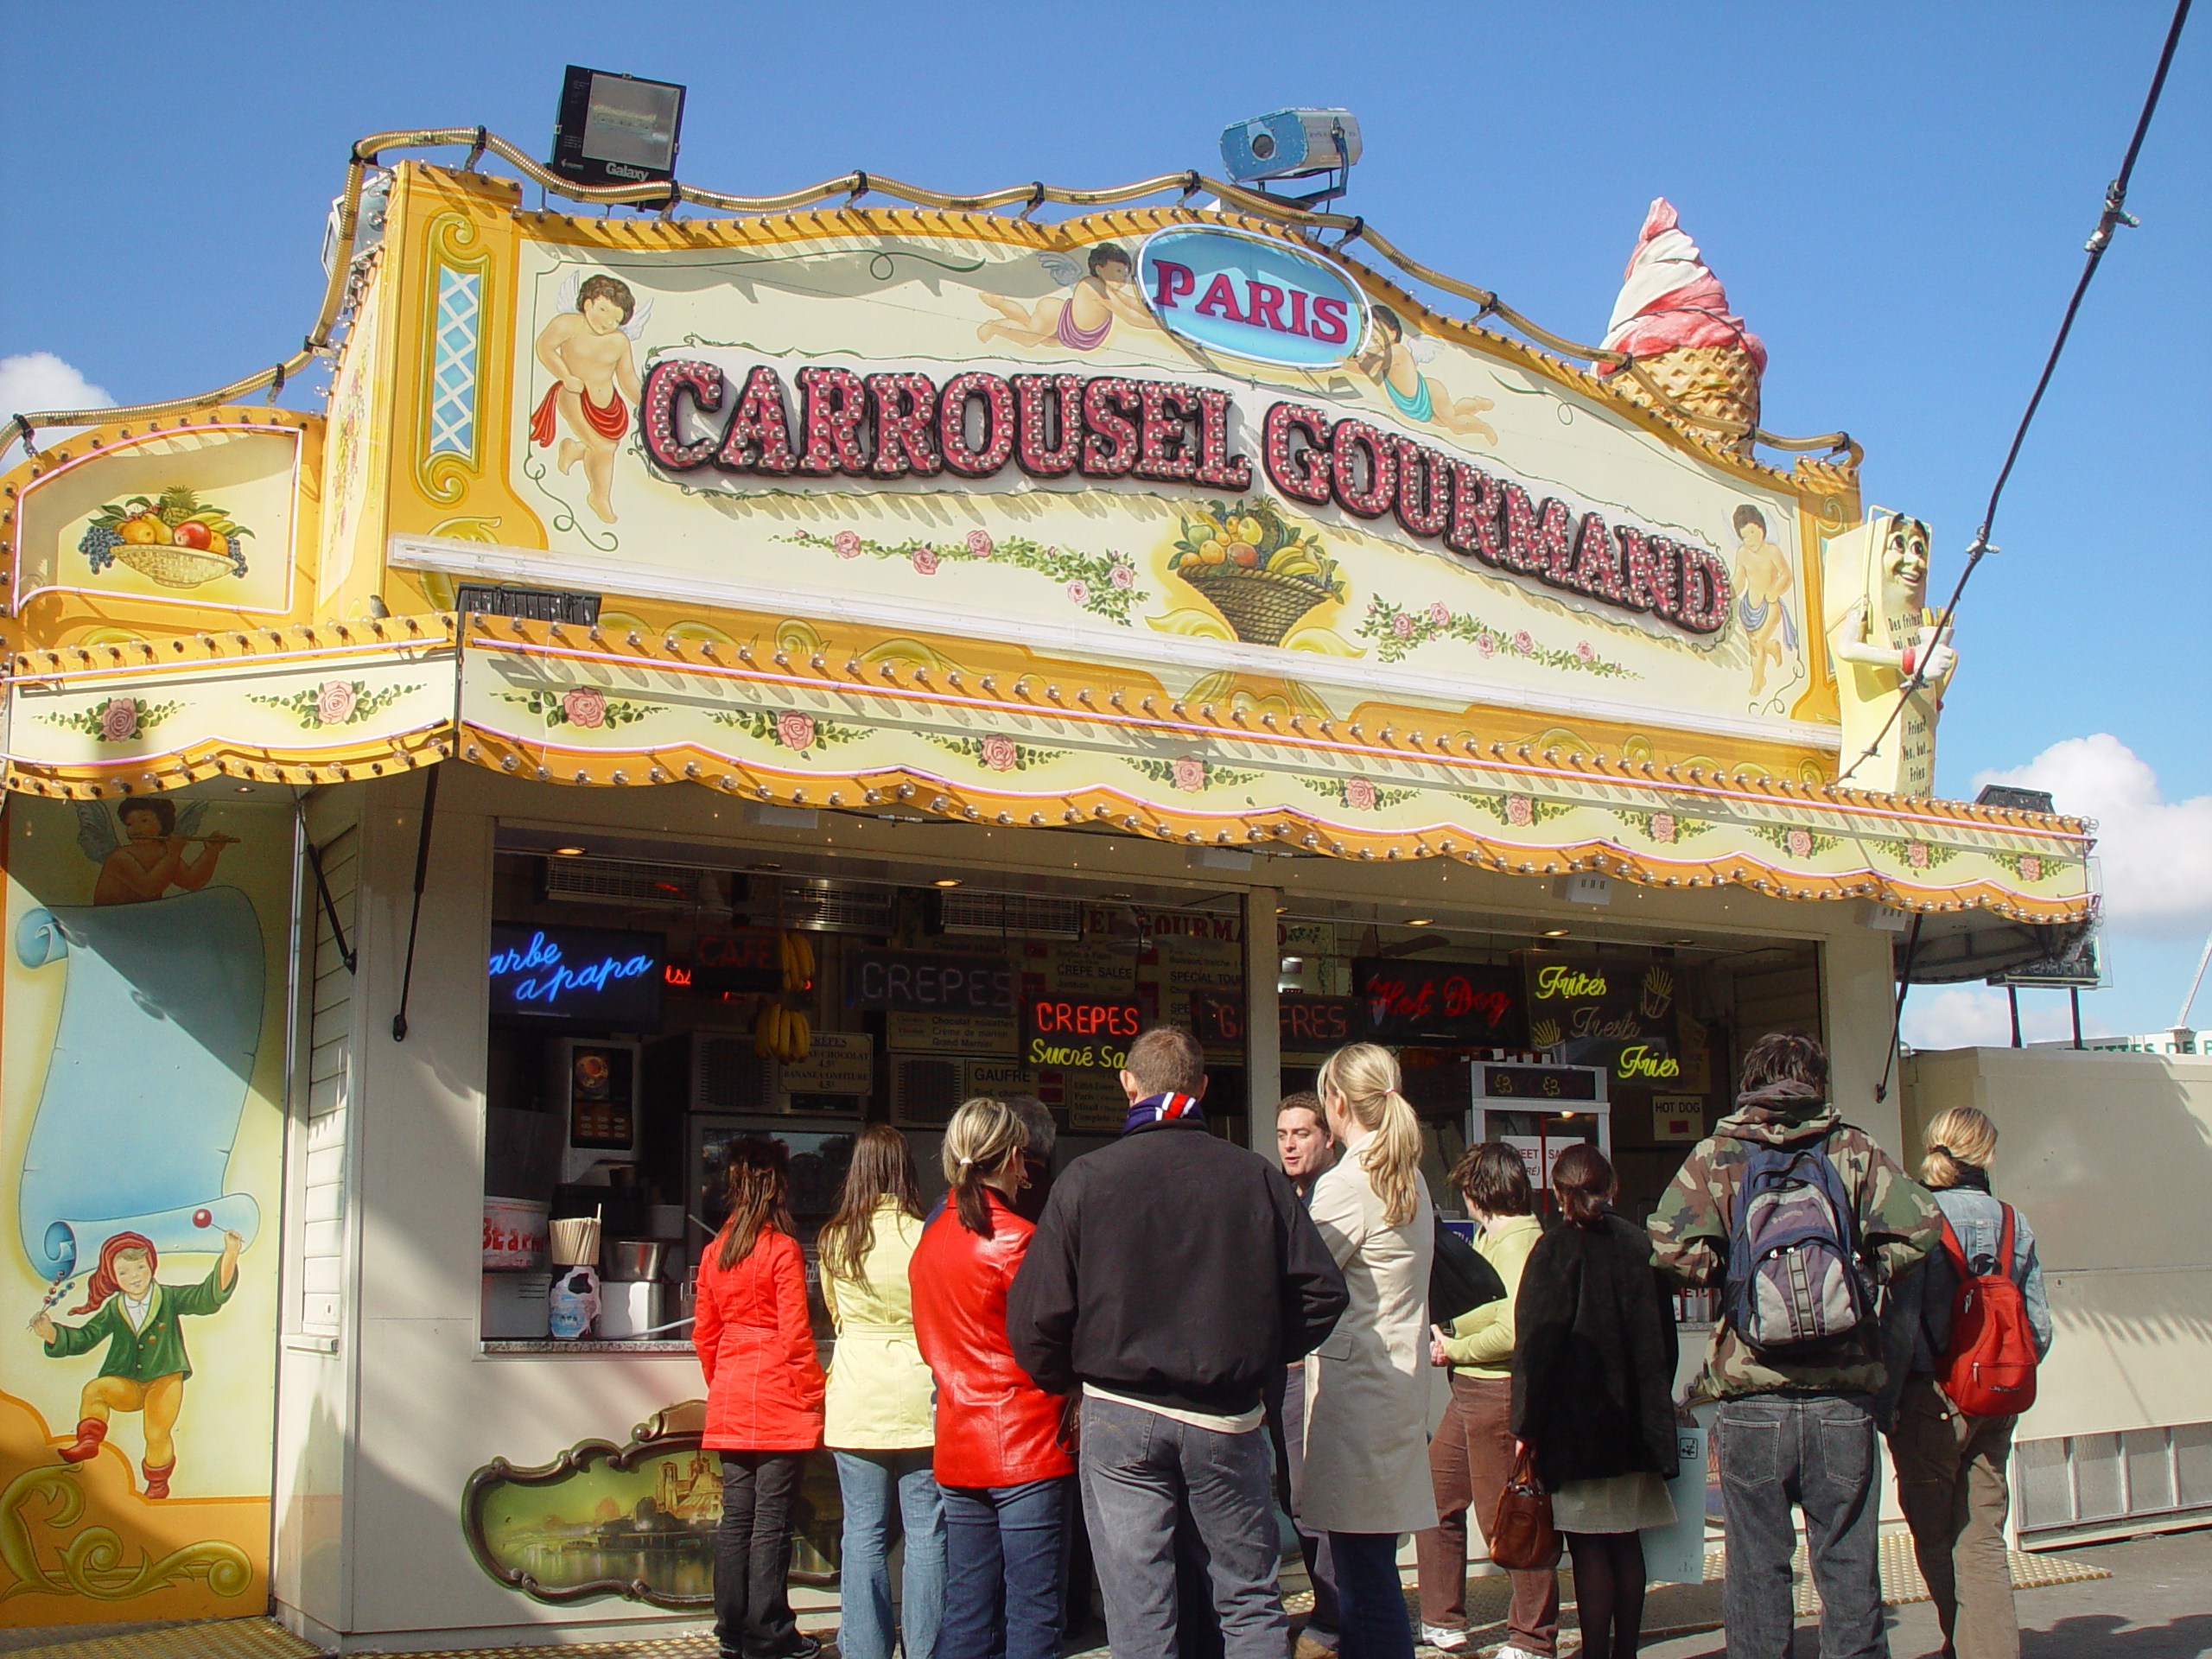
(1989, 1368)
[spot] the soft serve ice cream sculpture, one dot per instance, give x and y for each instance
(1673, 318)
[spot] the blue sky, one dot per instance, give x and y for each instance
(1896, 196)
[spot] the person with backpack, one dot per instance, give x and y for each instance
(1967, 1331)
(1799, 1218)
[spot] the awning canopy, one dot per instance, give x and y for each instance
(805, 718)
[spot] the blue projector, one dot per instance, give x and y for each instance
(1289, 144)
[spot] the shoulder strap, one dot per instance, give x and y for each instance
(1955, 1251)
(2005, 1243)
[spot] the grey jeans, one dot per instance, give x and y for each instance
(1136, 1465)
(1814, 1453)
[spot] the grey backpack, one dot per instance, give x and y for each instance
(1795, 1283)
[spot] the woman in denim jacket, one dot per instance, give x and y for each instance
(1950, 1466)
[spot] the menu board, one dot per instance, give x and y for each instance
(1457, 1004)
(1091, 1102)
(1610, 1012)
(837, 1063)
(907, 1032)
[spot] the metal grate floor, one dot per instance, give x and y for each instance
(1670, 1609)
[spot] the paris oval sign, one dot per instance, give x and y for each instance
(1252, 297)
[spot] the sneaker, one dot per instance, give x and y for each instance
(1314, 1646)
(1509, 1651)
(1446, 1641)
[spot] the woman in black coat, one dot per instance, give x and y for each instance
(1593, 1381)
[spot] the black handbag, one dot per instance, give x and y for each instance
(1460, 1278)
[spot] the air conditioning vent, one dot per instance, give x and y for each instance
(925, 1091)
(726, 1076)
(617, 881)
(1010, 915)
(825, 906)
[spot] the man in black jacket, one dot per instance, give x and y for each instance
(1171, 1275)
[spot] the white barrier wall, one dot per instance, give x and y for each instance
(2109, 1155)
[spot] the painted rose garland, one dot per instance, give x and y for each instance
(336, 703)
(1104, 584)
(788, 729)
(584, 707)
(995, 752)
(117, 721)
(1399, 631)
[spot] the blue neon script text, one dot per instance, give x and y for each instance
(550, 978)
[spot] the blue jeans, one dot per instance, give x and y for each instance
(870, 1481)
(1371, 1601)
(1813, 1451)
(1003, 1550)
(1141, 1473)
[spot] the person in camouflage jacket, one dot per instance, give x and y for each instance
(1795, 1433)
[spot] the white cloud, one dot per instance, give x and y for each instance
(2157, 854)
(1976, 1016)
(37, 380)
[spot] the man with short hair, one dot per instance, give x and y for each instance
(1172, 1276)
(1796, 1430)
(1306, 1148)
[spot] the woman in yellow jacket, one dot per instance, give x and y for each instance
(1471, 1456)
(877, 1412)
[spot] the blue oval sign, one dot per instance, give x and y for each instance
(1251, 297)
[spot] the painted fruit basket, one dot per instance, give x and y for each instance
(1261, 574)
(177, 541)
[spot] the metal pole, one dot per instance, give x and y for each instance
(2074, 994)
(2012, 996)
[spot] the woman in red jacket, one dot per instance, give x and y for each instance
(764, 1400)
(1007, 1478)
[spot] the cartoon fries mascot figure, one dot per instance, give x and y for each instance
(588, 349)
(141, 1319)
(1881, 634)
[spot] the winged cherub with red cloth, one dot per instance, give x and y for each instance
(596, 380)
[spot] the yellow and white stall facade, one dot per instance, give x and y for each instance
(1167, 560)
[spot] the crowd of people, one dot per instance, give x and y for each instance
(1015, 1385)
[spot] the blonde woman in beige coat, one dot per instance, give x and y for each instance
(1367, 1476)
(878, 1412)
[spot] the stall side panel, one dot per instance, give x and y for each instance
(141, 1146)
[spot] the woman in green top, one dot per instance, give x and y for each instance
(1471, 1456)
(141, 1319)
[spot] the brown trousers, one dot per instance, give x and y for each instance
(1951, 1486)
(1468, 1462)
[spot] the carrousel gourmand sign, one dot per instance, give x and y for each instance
(1201, 443)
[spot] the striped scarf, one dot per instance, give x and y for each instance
(1164, 1109)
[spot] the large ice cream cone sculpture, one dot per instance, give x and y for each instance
(1673, 318)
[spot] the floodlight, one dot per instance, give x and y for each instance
(1290, 144)
(615, 129)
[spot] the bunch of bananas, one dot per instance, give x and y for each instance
(797, 958)
(782, 1033)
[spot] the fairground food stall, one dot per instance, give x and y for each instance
(789, 666)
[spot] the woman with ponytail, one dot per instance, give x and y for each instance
(755, 1342)
(1367, 1393)
(1005, 1475)
(1951, 1467)
(1593, 1382)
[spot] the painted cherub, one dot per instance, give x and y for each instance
(150, 859)
(1763, 580)
(1392, 358)
(587, 349)
(141, 1321)
(1081, 322)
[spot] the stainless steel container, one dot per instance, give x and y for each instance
(631, 1260)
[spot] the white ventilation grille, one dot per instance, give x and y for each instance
(837, 907)
(618, 881)
(1010, 915)
(2079, 1483)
